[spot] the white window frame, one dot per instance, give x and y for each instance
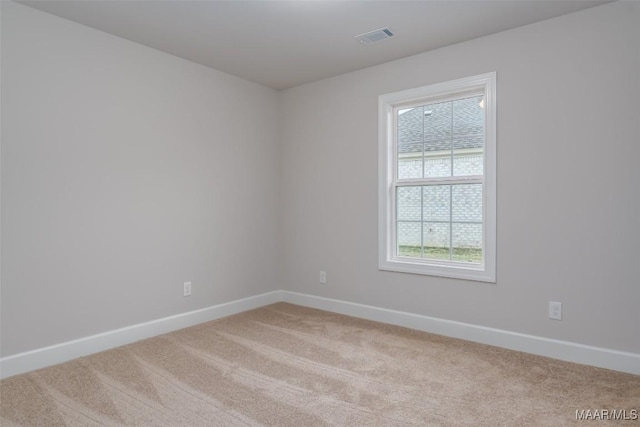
(387, 180)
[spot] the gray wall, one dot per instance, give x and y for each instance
(568, 176)
(126, 172)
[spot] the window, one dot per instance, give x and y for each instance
(437, 179)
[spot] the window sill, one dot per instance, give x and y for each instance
(476, 273)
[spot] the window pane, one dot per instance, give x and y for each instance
(437, 123)
(468, 156)
(410, 125)
(437, 135)
(468, 136)
(467, 203)
(467, 242)
(467, 222)
(434, 218)
(436, 240)
(409, 239)
(468, 116)
(408, 204)
(410, 160)
(436, 202)
(437, 164)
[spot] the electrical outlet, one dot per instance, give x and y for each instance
(555, 310)
(187, 289)
(323, 277)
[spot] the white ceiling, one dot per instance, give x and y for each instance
(282, 44)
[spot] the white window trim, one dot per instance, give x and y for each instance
(387, 260)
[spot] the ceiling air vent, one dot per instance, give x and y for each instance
(375, 36)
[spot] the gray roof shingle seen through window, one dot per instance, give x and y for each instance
(436, 126)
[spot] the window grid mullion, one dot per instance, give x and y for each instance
(421, 222)
(424, 148)
(439, 181)
(451, 222)
(424, 140)
(451, 193)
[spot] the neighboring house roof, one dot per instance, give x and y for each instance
(437, 125)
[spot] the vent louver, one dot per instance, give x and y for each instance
(375, 36)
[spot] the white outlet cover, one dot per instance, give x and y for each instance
(323, 277)
(555, 310)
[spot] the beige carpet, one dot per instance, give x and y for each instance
(286, 365)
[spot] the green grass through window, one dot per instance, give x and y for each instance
(459, 254)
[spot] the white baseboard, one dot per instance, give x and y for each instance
(557, 349)
(58, 353)
(563, 350)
